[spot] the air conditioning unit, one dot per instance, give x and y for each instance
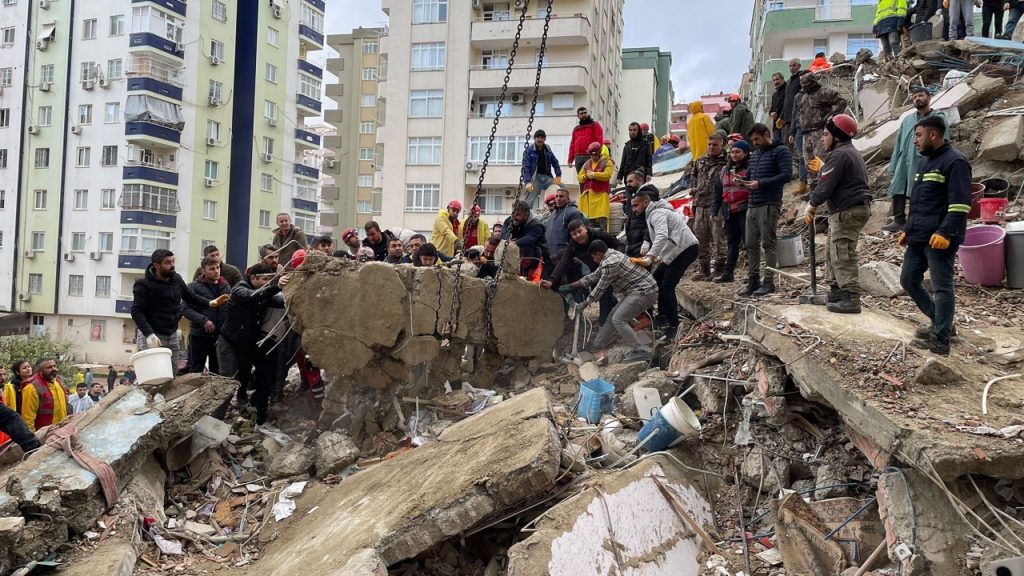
(329, 162)
(42, 44)
(519, 4)
(33, 129)
(510, 192)
(211, 141)
(88, 84)
(45, 86)
(268, 158)
(518, 99)
(209, 182)
(275, 11)
(103, 82)
(215, 101)
(179, 47)
(76, 129)
(44, 4)
(472, 166)
(69, 257)
(30, 254)
(95, 255)
(23, 297)
(214, 61)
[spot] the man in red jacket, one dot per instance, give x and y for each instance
(583, 135)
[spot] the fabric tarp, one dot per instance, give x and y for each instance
(145, 108)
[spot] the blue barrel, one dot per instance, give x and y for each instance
(661, 432)
(596, 398)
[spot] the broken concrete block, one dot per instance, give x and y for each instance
(482, 466)
(827, 482)
(294, 461)
(335, 452)
(800, 529)
(941, 535)
(759, 470)
(626, 521)
(622, 375)
(1003, 141)
(11, 529)
(666, 388)
(937, 372)
(881, 279)
(113, 557)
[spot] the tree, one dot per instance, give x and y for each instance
(13, 348)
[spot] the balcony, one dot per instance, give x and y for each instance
(318, 4)
(161, 43)
(311, 69)
(141, 217)
(177, 6)
(572, 30)
(158, 69)
(306, 205)
(557, 77)
(130, 261)
(312, 39)
(155, 86)
(307, 106)
(506, 176)
(840, 15)
(165, 175)
(307, 138)
(307, 171)
(151, 133)
(123, 306)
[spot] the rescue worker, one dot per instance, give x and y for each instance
(595, 177)
(525, 231)
(473, 231)
(445, 234)
(905, 159)
(636, 154)
(44, 400)
(844, 187)
(819, 64)
(645, 128)
(771, 166)
(575, 262)
(708, 228)
(585, 134)
(819, 104)
(729, 202)
(698, 127)
(540, 169)
(935, 229)
(888, 25)
(741, 118)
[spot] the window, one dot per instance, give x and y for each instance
(115, 68)
(144, 241)
(78, 241)
(98, 330)
(83, 156)
(494, 59)
(42, 157)
(427, 11)
(370, 47)
(45, 115)
(425, 151)
(5, 117)
(368, 100)
(149, 198)
(776, 5)
(428, 56)
(264, 218)
(306, 222)
(213, 130)
(6, 77)
(46, 73)
(366, 127)
(366, 154)
(426, 103)
(89, 29)
(266, 183)
(7, 36)
(369, 73)
(487, 106)
(857, 42)
(109, 156)
(85, 114)
(75, 283)
(270, 73)
(3, 160)
(312, 18)
(216, 91)
(219, 12)
(103, 286)
(268, 146)
(499, 11)
(155, 21)
(422, 197)
(310, 87)
(364, 207)
(272, 36)
(39, 241)
(39, 197)
(492, 202)
(209, 210)
(35, 285)
(216, 50)
(108, 199)
(117, 25)
(305, 189)
(81, 199)
(106, 242)
(212, 170)
(88, 71)
(365, 181)
(506, 149)
(269, 110)
(112, 112)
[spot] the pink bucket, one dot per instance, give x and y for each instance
(983, 256)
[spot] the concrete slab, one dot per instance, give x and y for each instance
(113, 557)
(502, 457)
(620, 524)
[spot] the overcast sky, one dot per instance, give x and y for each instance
(709, 39)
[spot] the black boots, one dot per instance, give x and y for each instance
(725, 276)
(766, 288)
(848, 303)
(705, 272)
(753, 285)
(833, 294)
(899, 215)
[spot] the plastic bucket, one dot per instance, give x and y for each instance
(921, 32)
(790, 251)
(596, 398)
(993, 210)
(977, 192)
(153, 366)
(1015, 255)
(673, 423)
(996, 188)
(983, 256)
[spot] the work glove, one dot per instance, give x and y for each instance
(529, 187)
(565, 289)
(902, 240)
(153, 341)
(780, 123)
(809, 214)
(558, 180)
(644, 261)
(815, 164)
(938, 242)
(219, 301)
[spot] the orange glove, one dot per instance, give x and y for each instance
(938, 242)
(814, 165)
(780, 123)
(809, 214)
(902, 241)
(644, 261)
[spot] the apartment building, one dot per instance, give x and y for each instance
(445, 66)
(648, 73)
(359, 66)
(120, 133)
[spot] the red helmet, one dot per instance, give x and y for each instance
(645, 127)
(594, 147)
(734, 97)
(455, 204)
(845, 124)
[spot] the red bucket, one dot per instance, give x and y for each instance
(977, 192)
(993, 210)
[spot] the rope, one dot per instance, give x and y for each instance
(66, 438)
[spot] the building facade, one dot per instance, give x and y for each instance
(434, 118)
(648, 74)
(123, 130)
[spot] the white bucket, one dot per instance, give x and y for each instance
(153, 366)
(679, 415)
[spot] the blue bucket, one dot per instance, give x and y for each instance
(595, 399)
(673, 422)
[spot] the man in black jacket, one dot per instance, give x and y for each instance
(241, 353)
(206, 321)
(575, 262)
(636, 154)
(157, 308)
(771, 166)
(377, 240)
(775, 111)
(636, 224)
(789, 105)
(844, 186)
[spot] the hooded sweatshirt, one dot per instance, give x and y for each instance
(557, 234)
(636, 155)
(444, 234)
(670, 235)
(698, 128)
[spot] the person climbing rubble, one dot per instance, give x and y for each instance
(819, 104)
(844, 187)
(935, 228)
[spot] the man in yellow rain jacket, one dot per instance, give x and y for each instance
(44, 402)
(698, 128)
(445, 234)
(595, 183)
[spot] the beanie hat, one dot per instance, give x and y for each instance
(540, 134)
(742, 145)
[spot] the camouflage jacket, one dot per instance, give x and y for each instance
(818, 106)
(706, 171)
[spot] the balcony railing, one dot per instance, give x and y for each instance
(830, 10)
(157, 69)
